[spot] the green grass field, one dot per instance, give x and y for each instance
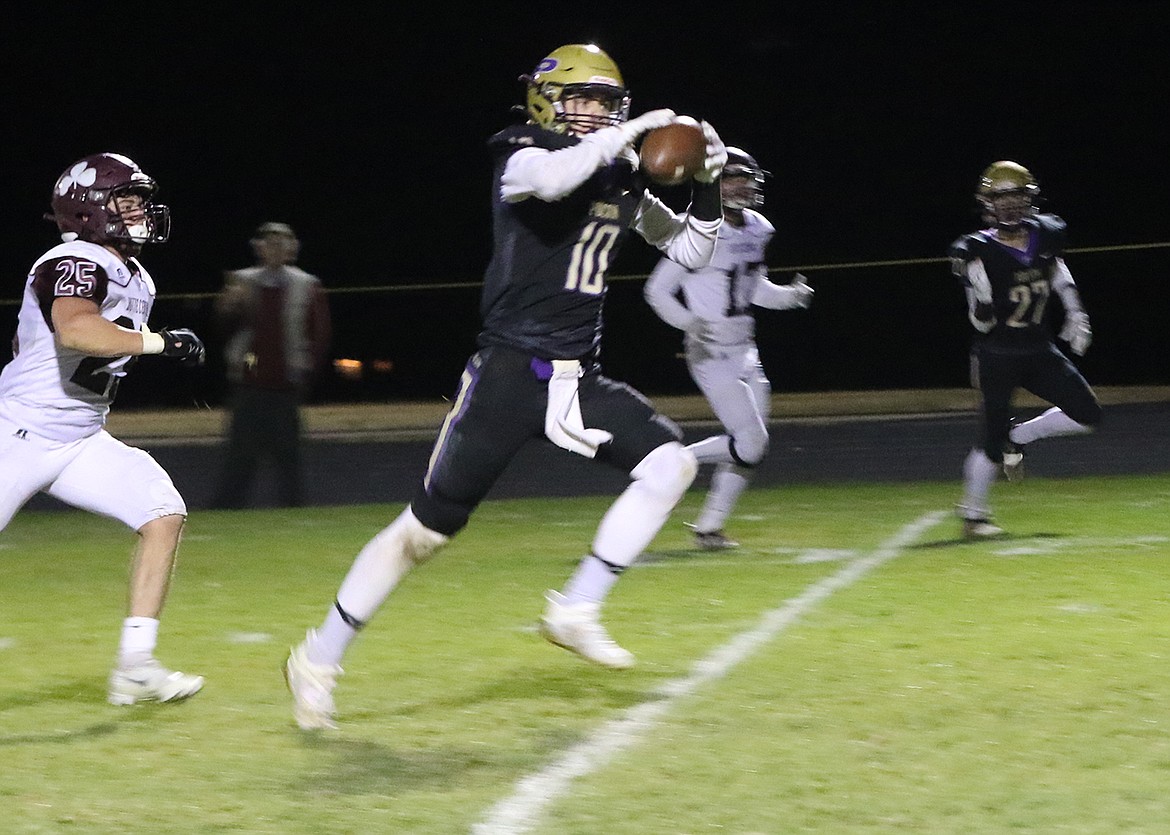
(843, 672)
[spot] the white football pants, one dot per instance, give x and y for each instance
(735, 385)
(98, 473)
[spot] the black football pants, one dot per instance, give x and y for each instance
(1046, 373)
(499, 406)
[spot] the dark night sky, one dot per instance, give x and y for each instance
(363, 124)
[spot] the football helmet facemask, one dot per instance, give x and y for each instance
(576, 71)
(84, 203)
(1007, 194)
(742, 185)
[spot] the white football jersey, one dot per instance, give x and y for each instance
(721, 293)
(56, 392)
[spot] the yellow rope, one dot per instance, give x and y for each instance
(840, 265)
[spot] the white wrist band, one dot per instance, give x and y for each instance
(152, 343)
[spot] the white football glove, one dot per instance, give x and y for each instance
(634, 128)
(1076, 332)
(801, 291)
(716, 155)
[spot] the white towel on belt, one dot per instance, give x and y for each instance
(562, 420)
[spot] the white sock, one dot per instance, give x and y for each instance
(329, 643)
(727, 484)
(633, 520)
(591, 581)
(630, 524)
(383, 562)
(979, 474)
(713, 450)
(1052, 424)
(376, 571)
(139, 637)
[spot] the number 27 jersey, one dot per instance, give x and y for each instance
(57, 392)
(1021, 280)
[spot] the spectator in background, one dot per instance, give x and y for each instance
(275, 320)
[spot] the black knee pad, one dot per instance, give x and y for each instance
(741, 462)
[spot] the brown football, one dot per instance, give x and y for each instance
(673, 154)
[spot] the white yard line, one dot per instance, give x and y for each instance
(522, 811)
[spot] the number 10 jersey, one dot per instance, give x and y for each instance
(545, 286)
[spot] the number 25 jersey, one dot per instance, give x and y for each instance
(57, 392)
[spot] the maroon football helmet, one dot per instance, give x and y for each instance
(81, 203)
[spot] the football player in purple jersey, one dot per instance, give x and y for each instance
(82, 323)
(566, 194)
(1010, 271)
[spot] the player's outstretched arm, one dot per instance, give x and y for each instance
(796, 294)
(716, 156)
(552, 175)
(689, 238)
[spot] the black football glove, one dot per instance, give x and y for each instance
(184, 345)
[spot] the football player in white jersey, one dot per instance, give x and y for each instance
(712, 306)
(82, 324)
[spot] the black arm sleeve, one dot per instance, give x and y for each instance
(706, 201)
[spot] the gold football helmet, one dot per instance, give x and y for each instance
(1007, 194)
(576, 71)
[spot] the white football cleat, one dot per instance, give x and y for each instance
(577, 628)
(981, 529)
(311, 686)
(1013, 461)
(151, 682)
